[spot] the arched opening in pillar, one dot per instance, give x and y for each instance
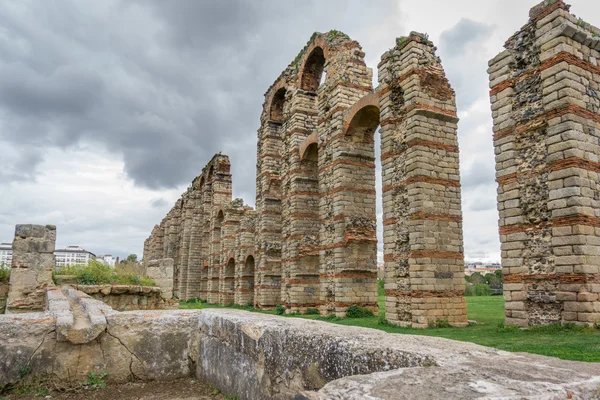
(246, 284)
(301, 275)
(313, 70)
(228, 282)
(355, 276)
(277, 106)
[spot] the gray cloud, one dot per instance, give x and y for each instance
(165, 86)
(159, 203)
(461, 49)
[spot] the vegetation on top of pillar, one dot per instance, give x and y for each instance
(235, 203)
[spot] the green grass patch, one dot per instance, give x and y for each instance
(96, 273)
(568, 342)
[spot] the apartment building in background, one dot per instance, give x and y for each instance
(72, 255)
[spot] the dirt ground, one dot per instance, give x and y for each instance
(183, 389)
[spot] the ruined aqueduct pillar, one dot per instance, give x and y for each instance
(423, 248)
(32, 265)
(545, 102)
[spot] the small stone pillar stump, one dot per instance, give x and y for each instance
(32, 265)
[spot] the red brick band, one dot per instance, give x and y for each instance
(571, 162)
(424, 294)
(561, 278)
(423, 179)
(577, 219)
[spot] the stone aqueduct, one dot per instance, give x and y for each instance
(311, 242)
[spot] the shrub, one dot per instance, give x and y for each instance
(442, 323)
(311, 311)
(279, 309)
(96, 273)
(95, 381)
(482, 289)
(381, 320)
(355, 311)
(469, 289)
(4, 274)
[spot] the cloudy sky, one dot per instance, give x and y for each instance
(108, 109)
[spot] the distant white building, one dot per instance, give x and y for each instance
(107, 259)
(6, 254)
(73, 255)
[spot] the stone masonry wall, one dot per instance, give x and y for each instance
(312, 241)
(545, 104)
(256, 356)
(32, 266)
(423, 245)
(126, 297)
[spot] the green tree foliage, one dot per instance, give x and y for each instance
(477, 278)
(132, 258)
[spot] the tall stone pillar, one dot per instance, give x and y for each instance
(423, 243)
(187, 214)
(348, 251)
(195, 245)
(545, 95)
(32, 265)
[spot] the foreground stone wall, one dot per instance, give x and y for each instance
(257, 356)
(126, 297)
(31, 271)
(545, 104)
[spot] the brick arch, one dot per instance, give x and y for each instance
(279, 87)
(370, 100)
(306, 82)
(362, 119)
(310, 139)
(249, 253)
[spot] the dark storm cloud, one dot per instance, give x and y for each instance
(164, 84)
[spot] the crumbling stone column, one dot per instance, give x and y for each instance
(219, 177)
(269, 173)
(423, 247)
(162, 273)
(545, 104)
(195, 246)
(245, 264)
(233, 214)
(348, 255)
(300, 207)
(32, 265)
(186, 226)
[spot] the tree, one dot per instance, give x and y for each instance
(477, 278)
(132, 258)
(493, 280)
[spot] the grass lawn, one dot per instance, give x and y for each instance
(568, 343)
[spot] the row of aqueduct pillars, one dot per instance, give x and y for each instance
(312, 241)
